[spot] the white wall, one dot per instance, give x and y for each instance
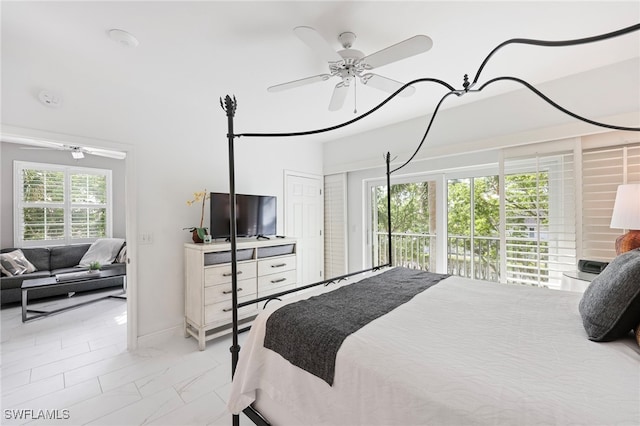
(177, 152)
(9, 152)
(167, 180)
(472, 135)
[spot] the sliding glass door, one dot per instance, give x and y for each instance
(473, 232)
(413, 225)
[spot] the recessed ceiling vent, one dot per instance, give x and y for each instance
(123, 38)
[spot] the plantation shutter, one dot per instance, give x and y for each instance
(335, 225)
(603, 169)
(539, 217)
(88, 205)
(41, 200)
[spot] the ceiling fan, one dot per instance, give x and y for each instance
(77, 152)
(347, 64)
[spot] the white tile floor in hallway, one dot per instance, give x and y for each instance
(76, 362)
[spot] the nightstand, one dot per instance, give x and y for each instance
(576, 280)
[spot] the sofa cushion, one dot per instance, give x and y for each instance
(14, 263)
(38, 256)
(67, 256)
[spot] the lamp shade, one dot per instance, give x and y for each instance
(626, 210)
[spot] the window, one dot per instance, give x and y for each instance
(60, 204)
(539, 212)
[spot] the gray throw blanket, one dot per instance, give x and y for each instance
(309, 333)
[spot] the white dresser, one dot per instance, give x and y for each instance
(264, 267)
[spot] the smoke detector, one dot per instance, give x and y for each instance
(123, 38)
(50, 99)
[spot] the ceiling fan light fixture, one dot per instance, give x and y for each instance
(347, 39)
(77, 154)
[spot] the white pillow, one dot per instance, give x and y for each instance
(103, 251)
(14, 263)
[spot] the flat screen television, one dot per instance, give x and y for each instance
(256, 215)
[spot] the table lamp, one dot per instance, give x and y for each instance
(626, 215)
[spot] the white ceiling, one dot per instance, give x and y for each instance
(191, 53)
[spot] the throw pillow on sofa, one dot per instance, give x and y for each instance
(14, 263)
(103, 251)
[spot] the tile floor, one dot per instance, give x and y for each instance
(76, 366)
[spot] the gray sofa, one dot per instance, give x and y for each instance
(50, 261)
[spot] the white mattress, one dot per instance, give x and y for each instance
(463, 352)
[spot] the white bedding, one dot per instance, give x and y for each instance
(463, 352)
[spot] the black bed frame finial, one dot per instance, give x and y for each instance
(229, 105)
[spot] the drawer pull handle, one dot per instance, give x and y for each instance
(227, 309)
(228, 274)
(231, 291)
(279, 265)
(278, 280)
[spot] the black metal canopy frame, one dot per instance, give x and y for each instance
(229, 105)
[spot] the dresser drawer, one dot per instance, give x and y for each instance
(276, 265)
(222, 292)
(269, 284)
(221, 311)
(214, 275)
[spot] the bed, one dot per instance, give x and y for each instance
(458, 352)
(461, 352)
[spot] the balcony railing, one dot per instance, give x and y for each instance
(414, 251)
(482, 262)
(408, 250)
(527, 260)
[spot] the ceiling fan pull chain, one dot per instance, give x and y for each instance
(355, 101)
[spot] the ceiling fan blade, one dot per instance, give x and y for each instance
(386, 84)
(298, 83)
(410, 47)
(117, 155)
(40, 148)
(317, 43)
(338, 97)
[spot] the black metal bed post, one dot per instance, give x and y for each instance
(388, 160)
(230, 107)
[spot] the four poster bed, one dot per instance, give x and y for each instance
(394, 346)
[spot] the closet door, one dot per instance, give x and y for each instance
(304, 217)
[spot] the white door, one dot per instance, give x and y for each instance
(304, 221)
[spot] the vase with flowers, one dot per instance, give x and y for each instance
(198, 233)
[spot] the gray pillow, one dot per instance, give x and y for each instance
(610, 306)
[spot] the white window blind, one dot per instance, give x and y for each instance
(539, 218)
(59, 204)
(603, 169)
(335, 225)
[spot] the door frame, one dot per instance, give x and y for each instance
(15, 133)
(288, 174)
